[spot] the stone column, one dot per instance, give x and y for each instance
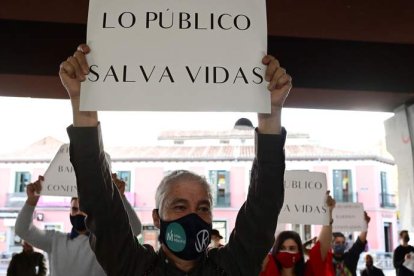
(399, 131)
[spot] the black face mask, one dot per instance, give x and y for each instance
(406, 239)
(78, 222)
(187, 237)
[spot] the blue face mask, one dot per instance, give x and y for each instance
(187, 237)
(339, 249)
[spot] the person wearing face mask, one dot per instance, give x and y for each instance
(401, 253)
(370, 269)
(345, 263)
(69, 253)
(183, 199)
(287, 257)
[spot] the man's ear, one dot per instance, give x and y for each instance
(156, 218)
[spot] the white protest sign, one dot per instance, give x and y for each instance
(187, 55)
(60, 179)
(305, 198)
(349, 217)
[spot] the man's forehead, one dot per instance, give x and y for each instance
(74, 202)
(339, 240)
(184, 200)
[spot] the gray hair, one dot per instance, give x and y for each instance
(173, 178)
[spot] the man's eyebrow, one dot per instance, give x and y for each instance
(178, 201)
(204, 202)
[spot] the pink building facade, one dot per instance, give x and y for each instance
(225, 159)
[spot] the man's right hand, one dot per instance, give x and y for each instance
(33, 191)
(74, 70)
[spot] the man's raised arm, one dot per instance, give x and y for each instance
(115, 246)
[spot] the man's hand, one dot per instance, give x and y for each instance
(74, 70)
(33, 191)
(330, 202)
(279, 86)
(366, 217)
(280, 82)
(120, 184)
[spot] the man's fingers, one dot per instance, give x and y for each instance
(84, 48)
(67, 69)
(78, 70)
(284, 80)
(272, 67)
(277, 75)
(80, 56)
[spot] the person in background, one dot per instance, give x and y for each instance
(215, 239)
(69, 253)
(370, 269)
(401, 253)
(27, 263)
(287, 256)
(345, 263)
(307, 245)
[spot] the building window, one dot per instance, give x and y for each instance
(342, 186)
(126, 177)
(304, 231)
(220, 188)
(386, 198)
(22, 180)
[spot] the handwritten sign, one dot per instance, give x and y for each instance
(60, 178)
(305, 198)
(349, 217)
(187, 55)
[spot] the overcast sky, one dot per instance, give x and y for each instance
(24, 121)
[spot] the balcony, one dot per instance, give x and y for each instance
(387, 200)
(222, 199)
(346, 197)
(15, 200)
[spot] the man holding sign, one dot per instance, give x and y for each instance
(345, 263)
(183, 212)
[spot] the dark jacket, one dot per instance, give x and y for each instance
(373, 271)
(351, 257)
(119, 252)
(399, 258)
(27, 264)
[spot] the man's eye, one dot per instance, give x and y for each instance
(204, 209)
(179, 208)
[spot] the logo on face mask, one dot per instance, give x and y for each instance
(175, 237)
(202, 240)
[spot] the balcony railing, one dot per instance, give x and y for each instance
(16, 199)
(222, 200)
(387, 200)
(347, 197)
